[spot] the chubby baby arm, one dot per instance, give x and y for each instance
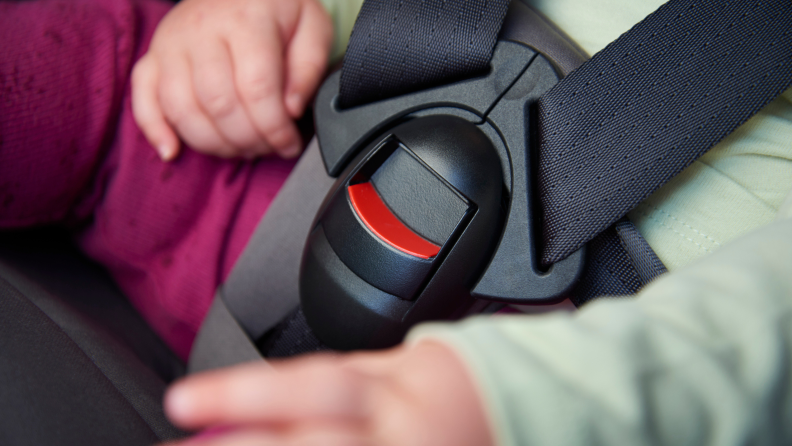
(228, 77)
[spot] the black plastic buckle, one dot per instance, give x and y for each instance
(468, 140)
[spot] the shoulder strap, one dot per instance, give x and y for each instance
(618, 127)
(613, 131)
(649, 104)
(398, 47)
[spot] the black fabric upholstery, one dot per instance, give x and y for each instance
(649, 104)
(65, 376)
(53, 392)
(403, 46)
(47, 258)
(50, 385)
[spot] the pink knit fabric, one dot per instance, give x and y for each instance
(70, 153)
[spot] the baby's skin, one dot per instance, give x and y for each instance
(411, 395)
(228, 77)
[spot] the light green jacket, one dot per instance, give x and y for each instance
(704, 354)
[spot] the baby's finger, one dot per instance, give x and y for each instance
(216, 93)
(146, 109)
(311, 436)
(181, 109)
(258, 69)
(306, 57)
(377, 363)
(315, 389)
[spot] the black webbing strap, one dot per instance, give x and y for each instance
(649, 104)
(619, 262)
(401, 46)
(611, 133)
(292, 337)
(643, 259)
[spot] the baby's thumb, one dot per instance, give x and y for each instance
(306, 57)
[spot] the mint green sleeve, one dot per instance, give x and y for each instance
(734, 188)
(343, 14)
(702, 356)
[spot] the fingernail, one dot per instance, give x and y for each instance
(178, 403)
(165, 152)
(291, 151)
(294, 103)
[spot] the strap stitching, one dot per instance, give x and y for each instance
(662, 103)
(633, 73)
(658, 159)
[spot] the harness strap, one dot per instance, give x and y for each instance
(292, 337)
(678, 82)
(619, 263)
(651, 103)
(399, 47)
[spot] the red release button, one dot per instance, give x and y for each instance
(381, 221)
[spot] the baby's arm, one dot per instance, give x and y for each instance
(229, 76)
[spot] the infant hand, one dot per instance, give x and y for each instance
(418, 395)
(230, 76)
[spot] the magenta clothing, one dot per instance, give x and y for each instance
(71, 154)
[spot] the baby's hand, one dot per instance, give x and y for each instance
(419, 395)
(230, 76)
